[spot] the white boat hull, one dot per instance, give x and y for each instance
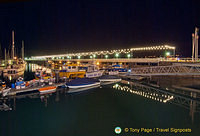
(14, 70)
(110, 80)
(113, 73)
(75, 90)
(48, 91)
(83, 86)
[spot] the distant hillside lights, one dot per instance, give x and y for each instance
(121, 53)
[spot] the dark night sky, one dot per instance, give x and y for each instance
(51, 27)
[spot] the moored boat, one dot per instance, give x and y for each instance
(82, 82)
(112, 72)
(76, 90)
(118, 68)
(48, 89)
(17, 67)
(93, 72)
(43, 73)
(109, 78)
(71, 71)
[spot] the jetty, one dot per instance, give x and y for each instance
(14, 91)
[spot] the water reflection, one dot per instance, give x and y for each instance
(44, 98)
(154, 95)
(189, 102)
(10, 102)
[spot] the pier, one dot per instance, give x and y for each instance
(14, 91)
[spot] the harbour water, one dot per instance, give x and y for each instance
(97, 112)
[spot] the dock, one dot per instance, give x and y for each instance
(14, 91)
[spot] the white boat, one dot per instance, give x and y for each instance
(75, 90)
(113, 72)
(13, 75)
(109, 78)
(82, 83)
(15, 68)
(93, 72)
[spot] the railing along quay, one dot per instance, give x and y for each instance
(166, 70)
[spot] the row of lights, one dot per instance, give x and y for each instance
(165, 98)
(163, 47)
(106, 53)
(79, 57)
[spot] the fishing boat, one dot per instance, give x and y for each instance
(93, 72)
(43, 73)
(109, 78)
(82, 83)
(118, 68)
(71, 71)
(49, 89)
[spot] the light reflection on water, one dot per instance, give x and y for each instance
(165, 96)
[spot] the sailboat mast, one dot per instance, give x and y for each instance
(22, 49)
(5, 57)
(13, 45)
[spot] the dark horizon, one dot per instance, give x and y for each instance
(52, 27)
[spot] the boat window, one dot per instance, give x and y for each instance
(69, 67)
(73, 67)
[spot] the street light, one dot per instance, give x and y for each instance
(128, 55)
(79, 57)
(117, 55)
(106, 56)
(167, 53)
